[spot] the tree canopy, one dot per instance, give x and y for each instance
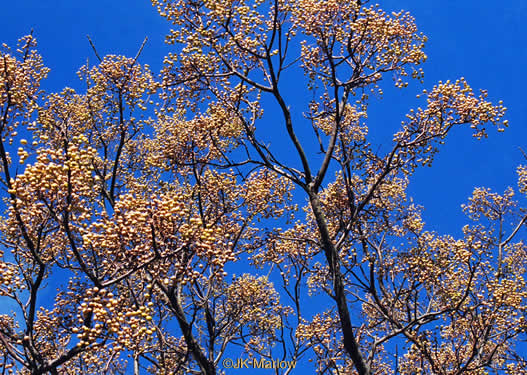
(156, 223)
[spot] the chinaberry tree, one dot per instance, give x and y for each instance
(140, 212)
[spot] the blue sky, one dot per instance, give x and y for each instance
(483, 41)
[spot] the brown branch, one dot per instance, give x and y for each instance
(93, 48)
(174, 296)
(350, 342)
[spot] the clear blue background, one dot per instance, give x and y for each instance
(483, 41)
